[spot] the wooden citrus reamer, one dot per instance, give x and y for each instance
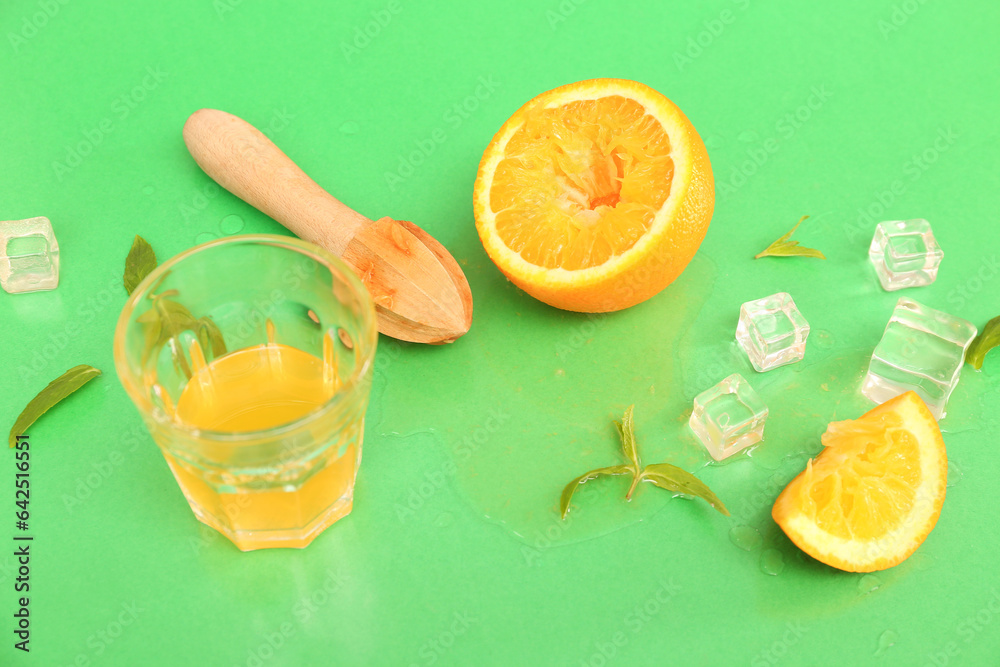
(420, 293)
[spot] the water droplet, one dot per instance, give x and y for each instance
(954, 473)
(148, 190)
(231, 224)
(714, 142)
(772, 562)
(204, 237)
(444, 520)
(885, 640)
(745, 537)
(869, 584)
(350, 127)
(748, 136)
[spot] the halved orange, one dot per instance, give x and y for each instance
(594, 196)
(875, 491)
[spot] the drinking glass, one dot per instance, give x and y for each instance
(265, 483)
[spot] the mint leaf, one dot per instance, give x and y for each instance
(987, 339)
(167, 319)
(210, 337)
(785, 248)
(57, 390)
(567, 494)
(791, 249)
(140, 262)
(675, 479)
(663, 475)
(626, 431)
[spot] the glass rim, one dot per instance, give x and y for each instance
(137, 393)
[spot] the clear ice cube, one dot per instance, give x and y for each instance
(29, 256)
(728, 417)
(905, 254)
(922, 349)
(772, 331)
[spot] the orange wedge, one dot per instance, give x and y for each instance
(594, 196)
(874, 493)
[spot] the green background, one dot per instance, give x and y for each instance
(851, 112)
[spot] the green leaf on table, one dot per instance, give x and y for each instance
(140, 262)
(567, 494)
(675, 479)
(57, 390)
(663, 475)
(783, 247)
(626, 431)
(987, 339)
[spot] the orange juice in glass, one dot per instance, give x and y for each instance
(250, 360)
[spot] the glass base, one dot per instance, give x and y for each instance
(297, 538)
(277, 516)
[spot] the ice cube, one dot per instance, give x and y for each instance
(728, 417)
(772, 331)
(922, 349)
(29, 256)
(905, 254)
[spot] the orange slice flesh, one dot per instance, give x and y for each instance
(582, 182)
(594, 196)
(874, 493)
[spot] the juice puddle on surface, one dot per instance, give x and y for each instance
(558, 380)
(256, 389)
(563, 385)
